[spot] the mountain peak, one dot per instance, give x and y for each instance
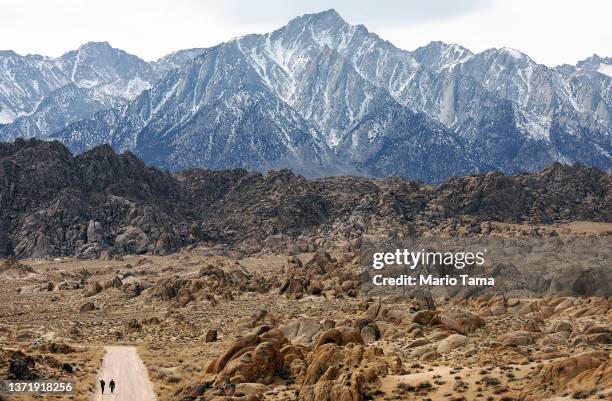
(327, 18)
(439, 55)
(330, 13)
(96, 45)
(7, 53)
(92, 48)
(512, 52)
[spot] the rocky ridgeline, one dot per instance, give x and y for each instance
(100, 203)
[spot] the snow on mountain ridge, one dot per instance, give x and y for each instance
(605, 69)
(110, 76)
(320, 84)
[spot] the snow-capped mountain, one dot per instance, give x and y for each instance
(323, 97)
(91, 78)
(64, 105)
(176, 60)
(215, 112)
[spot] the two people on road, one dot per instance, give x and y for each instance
(111, 385)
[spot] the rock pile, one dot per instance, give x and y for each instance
(321, 275)
(338, 367)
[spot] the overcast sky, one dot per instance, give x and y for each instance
(550, 31)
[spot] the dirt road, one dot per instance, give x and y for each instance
(131, 378)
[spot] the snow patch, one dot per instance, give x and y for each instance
(6, 116)
(512, 52)
(605, 69)
(534, 125)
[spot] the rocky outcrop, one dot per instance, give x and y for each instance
(12, 268)
(321, 275)
(555, 377)
(338, 367)
(54, 204)
(212, 283)
(462, 322)
(334, 373)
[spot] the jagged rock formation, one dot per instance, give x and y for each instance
(53, 203)
(321, 372)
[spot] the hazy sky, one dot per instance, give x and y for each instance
(550, 31)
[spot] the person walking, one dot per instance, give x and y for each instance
(112, 385)
(102, 384)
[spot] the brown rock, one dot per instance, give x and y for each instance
(450, 343)
(87, 307)
(531, 325)
(517, 338)
(370, 333)
(211, 335)
(257, 366)
(462, 322)
(92, 289)
(554, 377)
(241, 343)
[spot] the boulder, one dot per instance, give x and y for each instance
(340, 336)
(258, 365)
(531, 325)
(92, 289)
(423, 298)
(56, 348)
(450, 343)
(87, 307)
(326, 379)
(370, 333)
(249, 389)
(517, 338)
(95, 232)
(134, 325)
(115, 282)
(462, 322)
(238, 345)
(21, 367)
(132, 240)
(423, 317)
(211, 335)
(559, 326)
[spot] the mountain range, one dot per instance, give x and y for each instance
(53, 203)
(319, 96)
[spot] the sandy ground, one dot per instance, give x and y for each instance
(132, 381)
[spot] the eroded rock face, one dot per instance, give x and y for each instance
(555, 377)
(212, 283)
(238, 345)
(320, 371)
(518, 338)
(596, 378)
(79, 205)
(260, 364)
(582, 281)
(337, 373)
